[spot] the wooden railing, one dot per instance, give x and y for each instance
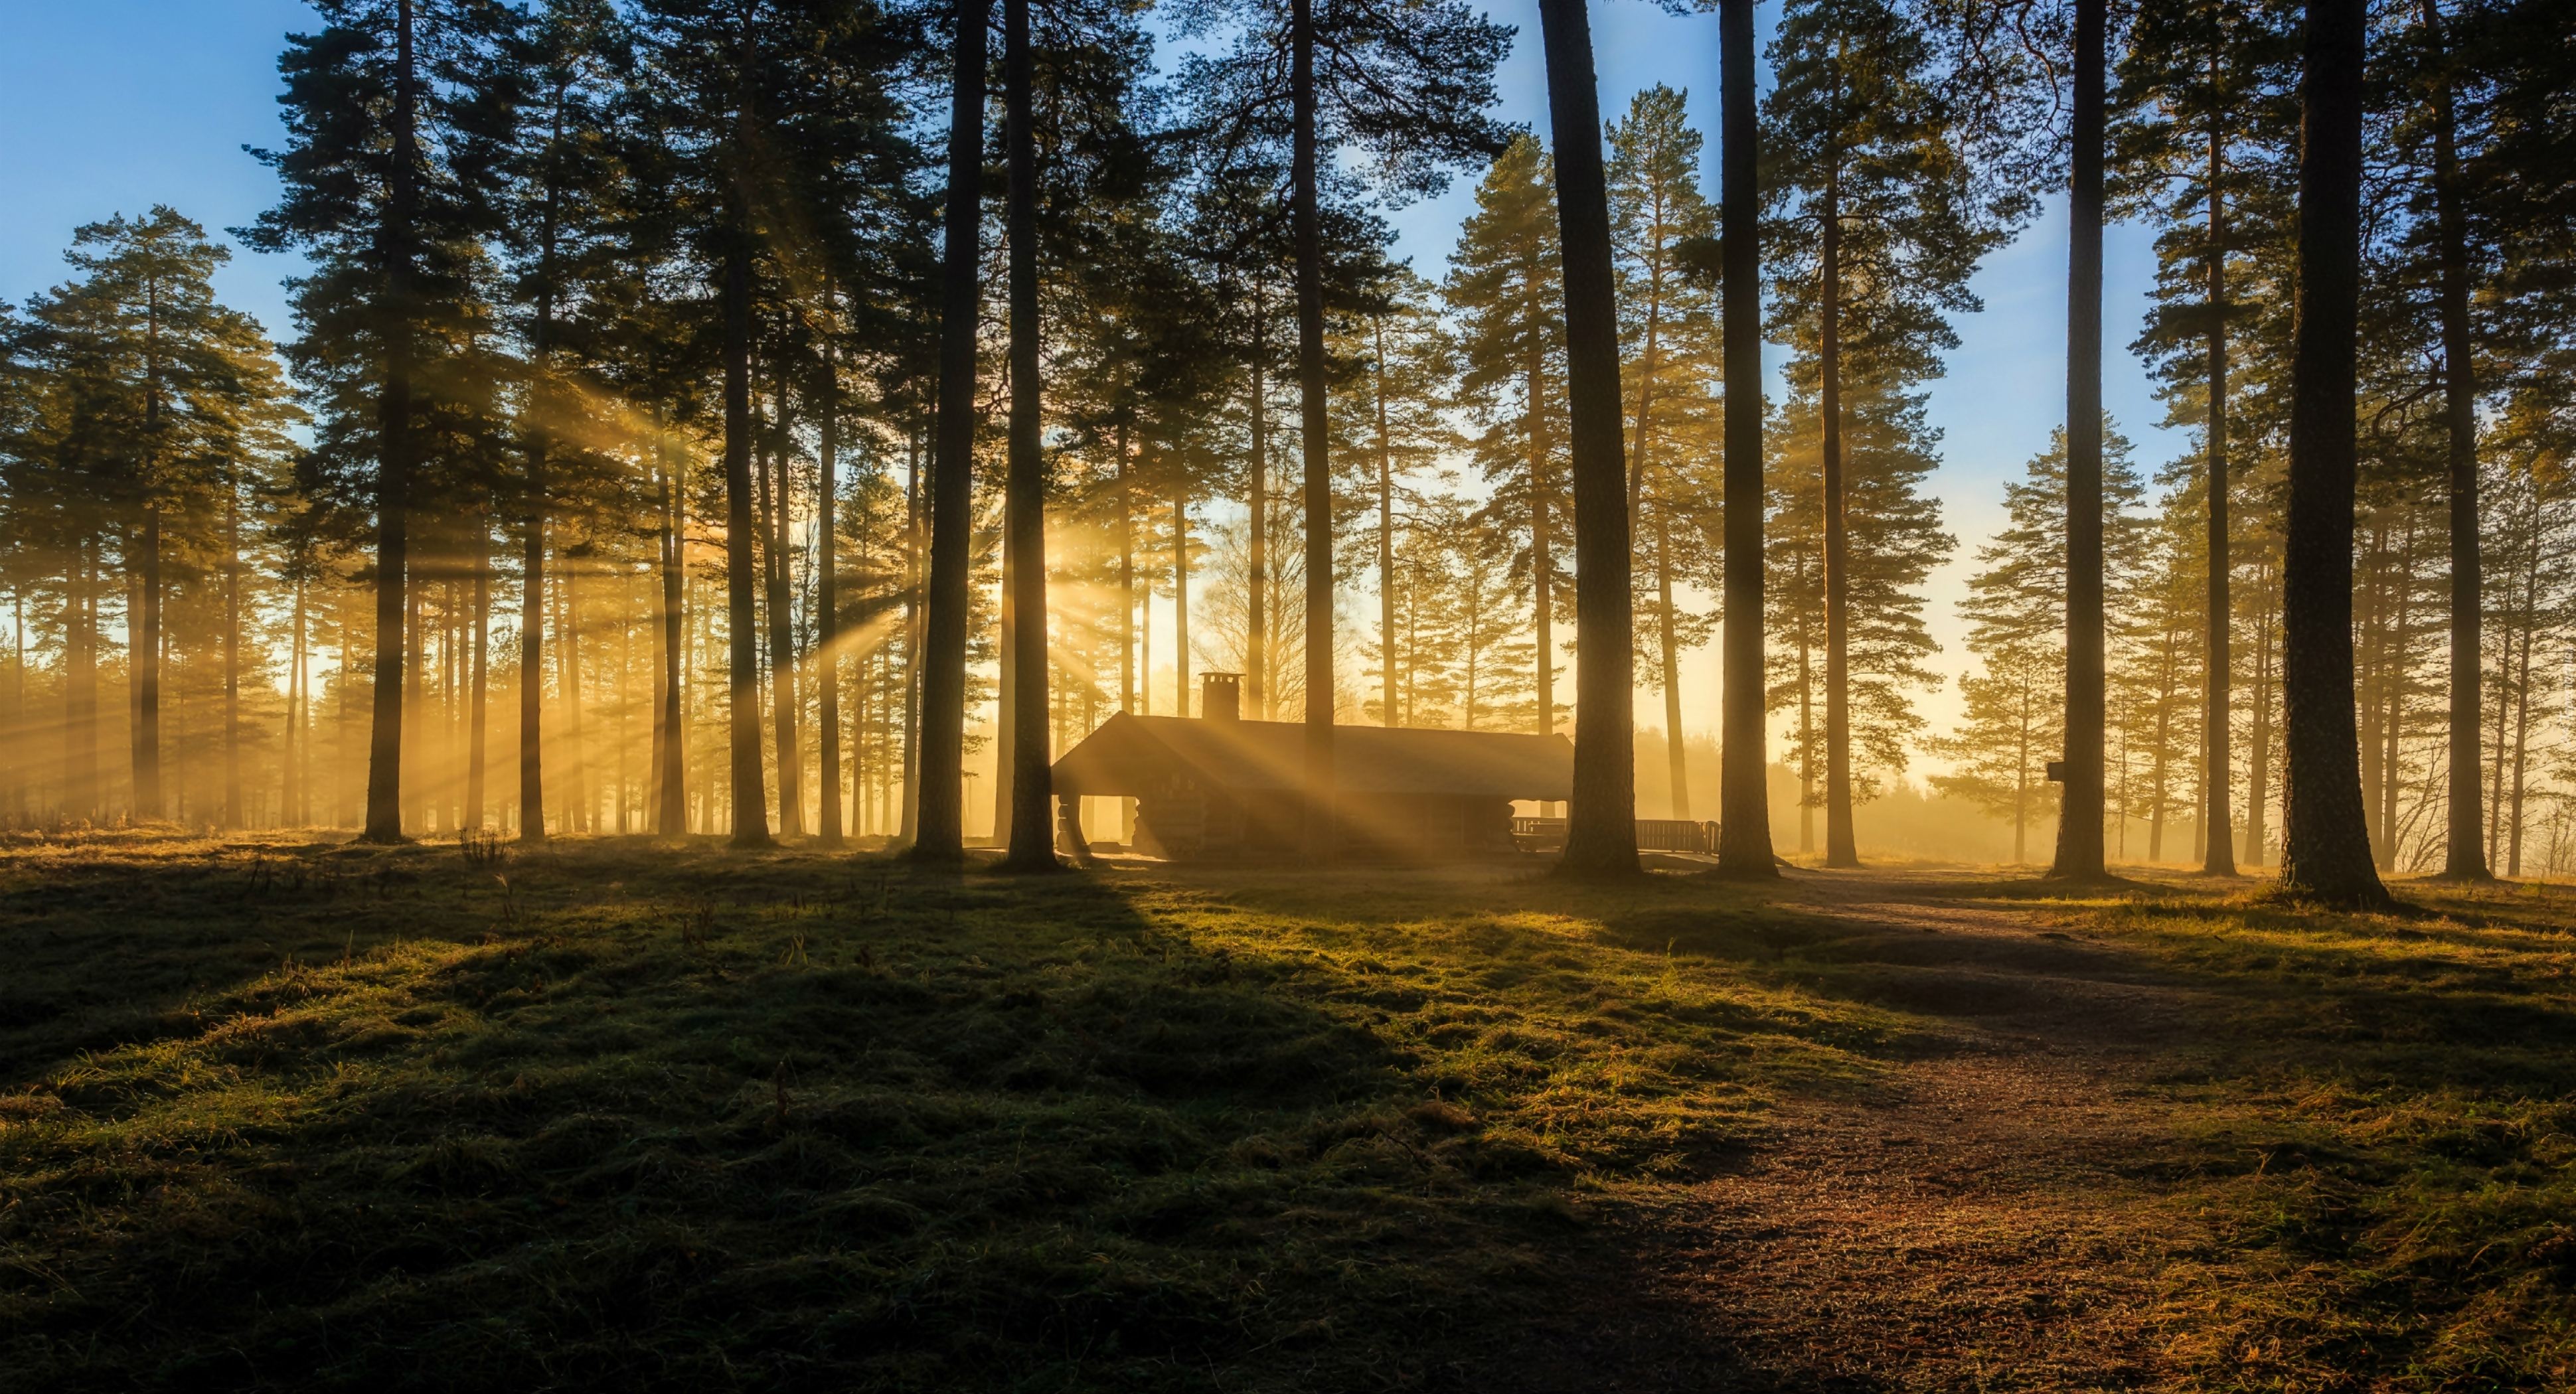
(1653, 835)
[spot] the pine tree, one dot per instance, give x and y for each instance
(1505, 295)
(2204, 101)
(394, 117)
(1882, 215)
(1669, 332)
(2013, 720)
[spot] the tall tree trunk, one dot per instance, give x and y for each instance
(2258, 753)
(1385, 534)
(2217, 816)
(1321, 802)
(80, 689)
(146, 662)
(144, 656)
(1032, 831)
(1676, 756)
(2080, 811)
(291, 792)
(479, 719)
(748, 792)
(2463, 857)
(232, 656)
(1181, 601)
(2393, 730)
(580, 801)
(776, 490)
(2326, 852)
(1806, 733)
(1601, 829)
(1842, 846)
(393, 457)
(1256, 626)
(1534, 384)
(939, 830)
(913, 615)
(827, 602)
(2522, 701)
(415, 694)
(671, 812)
(1744, 797)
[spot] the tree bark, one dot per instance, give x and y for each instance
(478, 719)
(1744, 797)
(1032, 832)
(1385, 537)
(671, 818)
(1320, 814)
(291, 794)
(749, 794)
(1256, 626)
(579, 805)
(2464, 856)
(827, 593)
(232, 654)
(2326, 853)
(1601, 828)
(1842, 847)
(2217, 815)
(939, 820)
(2080, 810)
(146, 659)
(780, 598)
(1181, 599)
(1676, 756)
(393, 456)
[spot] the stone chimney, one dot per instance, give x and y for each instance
(1221, 696)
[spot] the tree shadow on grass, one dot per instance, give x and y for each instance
(650, 1117)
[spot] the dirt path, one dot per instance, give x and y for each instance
(1965, 1226)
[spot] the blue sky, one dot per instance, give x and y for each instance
(110, 106)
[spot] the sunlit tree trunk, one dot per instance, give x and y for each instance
(580, 803)
(1385, 535)
(1667, 644)
(232, 654)
(1256, 627)
(1181, 602)
(747, 792)
(827, 602)
(671, 816)
(1313, 434)
(777, 467)
(291, 792)
(2218, 853)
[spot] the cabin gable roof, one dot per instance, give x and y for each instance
(1132, 754)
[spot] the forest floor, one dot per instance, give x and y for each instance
(280, 1113)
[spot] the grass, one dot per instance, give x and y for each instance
(2376, 1125)
(283, 1114)
(618, 1116)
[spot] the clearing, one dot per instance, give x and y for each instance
(289, 1114)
